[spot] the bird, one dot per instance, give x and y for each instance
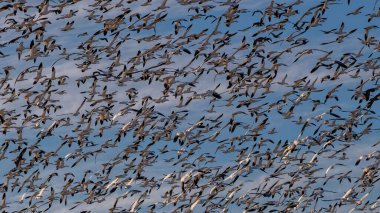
(189, 106)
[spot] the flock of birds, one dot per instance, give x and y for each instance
(189, 106)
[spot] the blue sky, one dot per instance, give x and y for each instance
(218, 152)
